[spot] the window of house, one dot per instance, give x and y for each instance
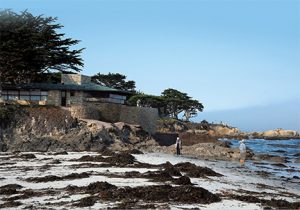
(72, 93)
(24, 93)
(24, 97)
(4, 94)
(44, 95)
(12, 95)
(33, 95)
(35, 98)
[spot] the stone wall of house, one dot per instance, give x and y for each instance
(85, 112)
(54, 98)
(75, 97)
(109, 112)
(77, 79)
(144, 116)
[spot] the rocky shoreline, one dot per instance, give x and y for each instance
(208, 130)
(49, 151)
(54, 130)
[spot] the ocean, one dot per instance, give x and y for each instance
(288, 149)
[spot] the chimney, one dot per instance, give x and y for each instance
(75, 79)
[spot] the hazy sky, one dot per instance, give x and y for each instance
(227, 54)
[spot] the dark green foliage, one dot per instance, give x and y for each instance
(191, 108)
(175, 101)
(171, 103)
(114, 80)
(146, 101)
(51, 77)
(31, 45)
(48, 78)
(178, 102)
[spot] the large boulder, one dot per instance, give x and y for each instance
(224, 131)
(280, 133)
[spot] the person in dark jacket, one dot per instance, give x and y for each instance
(178, 146)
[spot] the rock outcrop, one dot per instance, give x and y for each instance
(201, 140)
(281, 134)
(223, 131)
(211, 151)
(46, 129)
(53, 129)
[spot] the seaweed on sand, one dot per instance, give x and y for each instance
(193, 170)
(52, 178)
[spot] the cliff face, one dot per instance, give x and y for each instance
(53, 129)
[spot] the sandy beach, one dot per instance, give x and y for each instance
(77, 180)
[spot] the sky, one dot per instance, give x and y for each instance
(231, 55)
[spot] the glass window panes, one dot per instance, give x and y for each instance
(35, 92)
(24, 97)
(13, 92)
(44, 93)
(33, 95)
(44, 98)
(25, 93)
(4, 96)
(35, 98)
(13, 97)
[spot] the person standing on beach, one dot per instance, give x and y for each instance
(242, 152)
(178, 146)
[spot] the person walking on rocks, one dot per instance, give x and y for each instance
(242, 152)
(178, 146)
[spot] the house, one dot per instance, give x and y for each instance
(74, 89)
(85, 100)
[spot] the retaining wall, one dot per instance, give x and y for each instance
(109, 112)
